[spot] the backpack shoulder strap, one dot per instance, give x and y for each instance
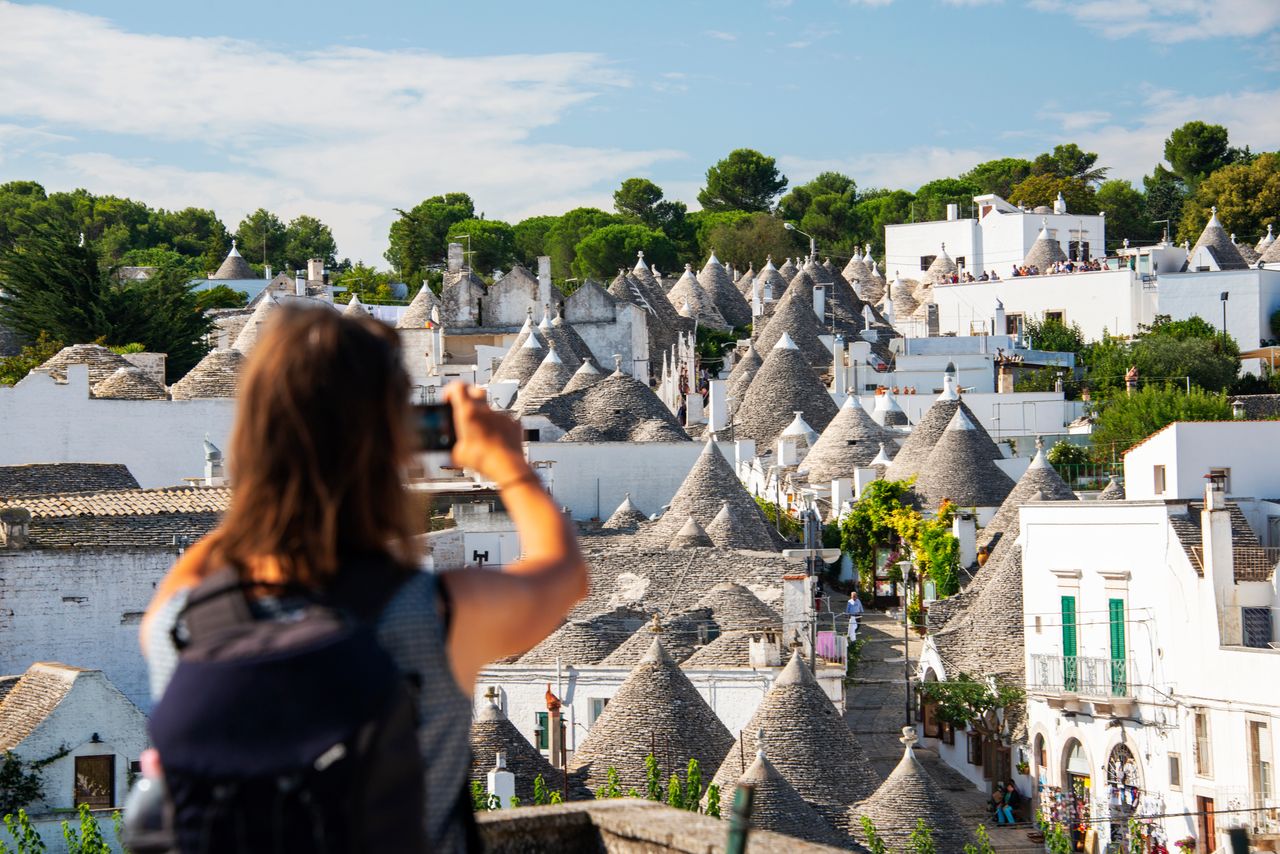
(216, 603)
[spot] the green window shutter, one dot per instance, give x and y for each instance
(1070, 672)
(1119, 678)
(544, 736)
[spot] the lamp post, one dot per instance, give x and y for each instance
(813, 244)
(1224, 296)
(907, 578)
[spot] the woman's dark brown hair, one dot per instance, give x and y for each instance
(321, 436)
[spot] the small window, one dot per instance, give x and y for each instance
(1224, 474)
(948, 733)
(1077, 250)
(1159, 484)
(1256, 623)
(1175, 771)
(597, 705)
(533, 435)
(1013, 324)
(960, 261)
(1056, 317)
(1204, 752)
(541, 731)
(975, 748)
(926, 261)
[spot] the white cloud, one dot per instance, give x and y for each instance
(1171, 21)
(344, 133)
(905, 169)
(721, 35)
(1080, 119)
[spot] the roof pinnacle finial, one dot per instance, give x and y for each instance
(233, 244)
(492, 695)
(656, 625)
(1039, 443)
(908, 737)
(640, 254)
(617, 362)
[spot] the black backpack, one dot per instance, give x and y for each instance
(286, 735)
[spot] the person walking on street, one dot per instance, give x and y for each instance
(855, 610)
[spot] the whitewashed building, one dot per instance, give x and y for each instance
(1150, 638)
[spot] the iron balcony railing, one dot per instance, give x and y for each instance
(1079, 674)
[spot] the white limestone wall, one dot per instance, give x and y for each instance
(161, 441)
(592, 478)
(80, 607)
(1254, 295)
(734, 693)
(1188, 450)
(92, 706)
(907, 243)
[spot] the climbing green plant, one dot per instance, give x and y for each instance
(675, 792)
(693, 787)
(540, 795)
(23, 833)
(88, 839)
(557, 798)
(983, 845)
(885, 517)
(612, 787)
(874, 843)
(713, 800)
(921, 839)
(970, 701)
(652, 778)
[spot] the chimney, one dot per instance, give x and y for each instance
(764, 650)
(999, 324)
(544, 279)
(693, 409)
(797, 605)
(455, 258)
(841, 493)
(315, 270)
(862, 478)
(1218, 559)
(501, 782)
(213, 469)
(266, 272)
(820, 302)
(15, 527)
(788, 451)
(964, 529)
(718, 416)
(744, 451)
(953, 212)
(299, 284)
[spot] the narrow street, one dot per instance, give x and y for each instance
(875, 711)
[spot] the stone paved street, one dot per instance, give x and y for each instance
(875, 711)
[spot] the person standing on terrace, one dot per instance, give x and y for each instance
(320, 513)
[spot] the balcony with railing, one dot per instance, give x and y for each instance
(1064, 678)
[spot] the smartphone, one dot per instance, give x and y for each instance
(434, 425)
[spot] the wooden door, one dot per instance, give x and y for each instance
(95, 781)
(1208, 828)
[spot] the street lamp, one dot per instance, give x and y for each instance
(813, 244)
(907, 580)
(1224, 296)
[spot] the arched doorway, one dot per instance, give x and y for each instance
(1077, 791)
(1124, 792)
(1040, 762)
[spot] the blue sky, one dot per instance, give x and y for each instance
(347, 110)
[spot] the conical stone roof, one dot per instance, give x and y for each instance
(960, 469)
(779, 808)
(101, 361)
(983, 634)
(253, 327)
(902, 293)
(740, 378)
(788, 270)
(588, 641)
(547, 381)
(628, 517)
(732, 530)
(889, 413)
(843, 306)
(771, 280)
(418, 314)
(1264, 242)
(1215, 238)
(810, 745)
(729, 302)
(735, 608)
(784, 385)
(701, 304)
(492, 732)
(941, 269)
(1040, 482)
(794, 316)
(907, 795)
(856, 271)
(1113, 491)
(705, 490)
(911, 457)
(746, 282)
(656, 710)
(587, 375)
(129, 383)
(850, 441)
(215, 375)
(1045, 252)
(354, 307)
(618, 408)
(234, 266)
(680, 638)
(690, 536)
(1271, 255)
(521, 363)
(573, 350)
(1247, 252)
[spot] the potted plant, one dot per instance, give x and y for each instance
(1186, 845)
(1024, 767)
